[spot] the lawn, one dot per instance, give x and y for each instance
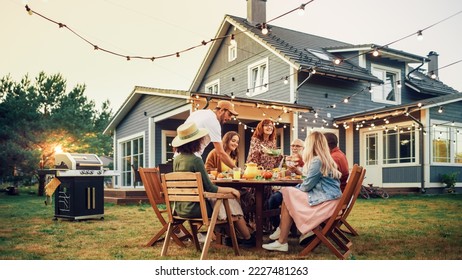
(417, 227)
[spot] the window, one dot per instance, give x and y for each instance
(447, 144)
(388, 92)
(258, 77)
(232, 52)
(213, 87)
(371, 149)
(167, 151)
(320, 54)
(132, 153)
(399, 146)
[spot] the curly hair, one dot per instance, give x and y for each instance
(258, 133)
(191, 147)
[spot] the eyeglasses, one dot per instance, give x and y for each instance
(296, 146)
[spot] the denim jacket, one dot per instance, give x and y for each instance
(318, 187)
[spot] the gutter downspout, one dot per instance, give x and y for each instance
(300, 85)
(421, 152)
(415, 69)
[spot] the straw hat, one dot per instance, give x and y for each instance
(188, 132)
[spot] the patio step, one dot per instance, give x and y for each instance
(125, 196)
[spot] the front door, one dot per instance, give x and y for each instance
(371, 159)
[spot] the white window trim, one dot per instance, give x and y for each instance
(165, 134)
(211, 84)
(232, 57)
(417, 147)
(395, 71)
(451, 158)
(259, 89)
(119, 151)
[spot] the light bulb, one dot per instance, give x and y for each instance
(301, 10)
(419, 35)
(233, 41)
(375, 52)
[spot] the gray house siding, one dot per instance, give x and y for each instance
(451, 112)
(437, 171)
(409, 174)
(233, 75)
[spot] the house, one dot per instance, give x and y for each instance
(404, 126)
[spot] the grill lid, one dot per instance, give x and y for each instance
(78, 161)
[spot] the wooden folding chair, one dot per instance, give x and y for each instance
(153, 187)
(188, 187)
(349, 229)
(328, 232)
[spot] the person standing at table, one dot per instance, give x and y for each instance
(313, 201)
(339, 158)
(230, 143)
(188, 142)
(213, 120)
(263, 137)
(296, 166)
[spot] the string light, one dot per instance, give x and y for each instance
(233, 41)
(440, 109)
(419, 35)
(337, 61)
(301, 10)
(264, 29)
(375, 52)
(432, 75)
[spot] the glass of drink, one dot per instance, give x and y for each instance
(236, 173)
(214, 173)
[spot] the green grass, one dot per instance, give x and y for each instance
(413, 227)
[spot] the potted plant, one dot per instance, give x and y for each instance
(450, 180)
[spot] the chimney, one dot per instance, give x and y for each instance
(433, 64)
(256, 11)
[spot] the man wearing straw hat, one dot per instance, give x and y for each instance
(212, 120)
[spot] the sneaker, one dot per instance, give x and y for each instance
(201, 237)
(276, 246)
(275, 235)
(306, 238)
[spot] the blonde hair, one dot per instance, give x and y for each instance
(316, 146)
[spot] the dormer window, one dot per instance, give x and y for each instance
(320, 54)
(388, 92)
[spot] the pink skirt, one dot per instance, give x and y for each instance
(306, 217)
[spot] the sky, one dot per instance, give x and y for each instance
(31, 44)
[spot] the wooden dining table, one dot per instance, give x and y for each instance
(259, 187)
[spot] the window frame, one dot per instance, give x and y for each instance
(262, 83)
(232, 52)
(166, 144)
(125, 166)
(215, 84)
(454, 138)
(382, 88)
(386, 145)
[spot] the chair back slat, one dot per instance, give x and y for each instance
(184, 187)
(151, 181)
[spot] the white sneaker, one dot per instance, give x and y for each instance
(276, 246)
(201, 237)
(275, 235)
(303, 238)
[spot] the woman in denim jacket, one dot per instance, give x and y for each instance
(313, 201)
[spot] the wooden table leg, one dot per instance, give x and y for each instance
(259, 192)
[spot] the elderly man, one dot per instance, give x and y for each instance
(295, 166)
(213, 120)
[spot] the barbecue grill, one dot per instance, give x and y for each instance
(81, 192)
